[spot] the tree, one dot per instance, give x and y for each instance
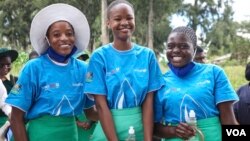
(202, 14)
(150, 25)
(15, 19)
(104, 35)
(223, 33)
(241, 50)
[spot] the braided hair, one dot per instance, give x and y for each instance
(189, 32)
(116, 2)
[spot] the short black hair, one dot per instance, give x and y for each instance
(116, 2)
(33, 53)
(188, 32)
(247, 72)
(199, 49)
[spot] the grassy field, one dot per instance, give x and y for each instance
(236, 74)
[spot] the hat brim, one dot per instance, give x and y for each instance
(59, 12)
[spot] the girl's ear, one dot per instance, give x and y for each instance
(47, 40)
(107, 23)
(194, 53)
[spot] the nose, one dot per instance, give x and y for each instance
(124, 22)
(63, 37)
(176, 49)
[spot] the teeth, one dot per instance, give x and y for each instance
(124, 29)
(177, 58)
(64, 46)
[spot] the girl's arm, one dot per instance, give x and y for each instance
(227, 116)
(91, 113)
(105, 117)
(17, 124)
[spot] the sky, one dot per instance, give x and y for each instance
(240, 7)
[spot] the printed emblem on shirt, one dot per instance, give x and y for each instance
(203, 83)
(77, 84)
(15, 89)
(172, 90)
(89, 77)
(113, 71)
(51, 86)
(140, 70)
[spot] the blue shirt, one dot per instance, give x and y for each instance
(124, 77)
(201, 90)
(44, 88)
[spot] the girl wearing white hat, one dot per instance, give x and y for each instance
(49, 91)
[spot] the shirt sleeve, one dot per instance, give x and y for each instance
(95, 79)
(155, 75)
(88, 102)
(158, 108)
(20, 95)
(223, 88)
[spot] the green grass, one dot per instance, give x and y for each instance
(236, 75)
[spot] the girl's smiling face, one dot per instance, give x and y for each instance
(180, 49)
(121, 21)
(61, 37)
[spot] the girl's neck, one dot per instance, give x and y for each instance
(122, 45)
(3, 78)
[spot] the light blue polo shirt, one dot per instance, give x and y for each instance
(44, 88)
(201, 90)
(124, 77)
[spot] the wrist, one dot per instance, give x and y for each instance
(91, 122)
(172, 131)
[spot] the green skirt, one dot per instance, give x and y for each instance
(51, 128)
(210, 127)
(123, 119)
(84, 135)
(3, 119)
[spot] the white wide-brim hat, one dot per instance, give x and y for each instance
(59, 12)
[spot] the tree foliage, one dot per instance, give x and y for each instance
(15, 17)
(201, 14)
(213, 17)
(223, 33)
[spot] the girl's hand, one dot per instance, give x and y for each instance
(84, 124)
(184, 131)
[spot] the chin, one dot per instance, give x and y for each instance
(178, 65)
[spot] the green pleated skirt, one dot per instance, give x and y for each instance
(123, 119)
(51, 128)
(3, 119)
